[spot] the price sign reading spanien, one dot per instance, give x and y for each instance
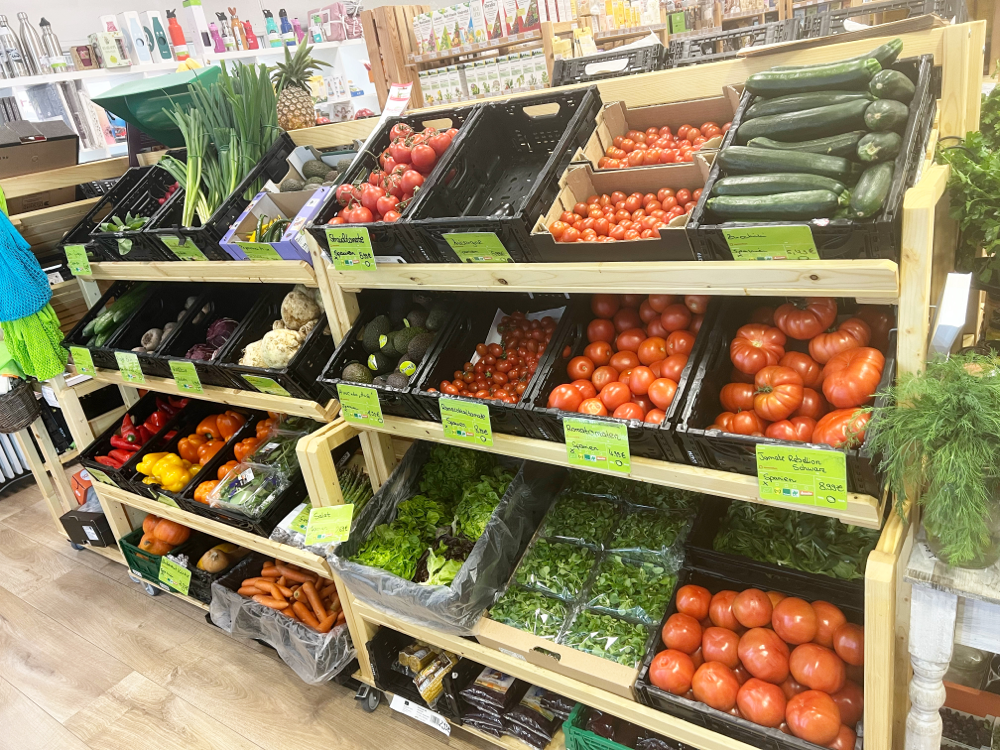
(128, 366)
(360, 405)
(76, 259)
(351, 248)
(805, 476)
(183, 248)
(83, 361)
(258, 251)
(597, 445)
(466, 421)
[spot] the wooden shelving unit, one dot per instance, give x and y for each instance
(239, 272)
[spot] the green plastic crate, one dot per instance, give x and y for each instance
(578, 738)
(144, 564)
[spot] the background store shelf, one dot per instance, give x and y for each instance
(235, 272)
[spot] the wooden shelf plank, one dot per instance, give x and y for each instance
(235, 271)
(872, 280)
(112, 553)
(862, 510)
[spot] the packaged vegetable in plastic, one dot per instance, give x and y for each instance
(581, 517)
(559, 705)
(530, 611)
(632, 589)
(556, 567)
(250, 489)
(607, 637)
(429, 680)
(494, 690)
(651, 535)
(530, 721)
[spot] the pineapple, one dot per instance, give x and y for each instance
(291, 81)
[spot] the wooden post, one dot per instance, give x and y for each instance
(37, 466)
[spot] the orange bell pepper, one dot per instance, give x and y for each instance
(208, 450)
(245, 447)
(209, 427)
(203, 490)
(229, 423)
(264, 426)
(188, 447)
(225, 468)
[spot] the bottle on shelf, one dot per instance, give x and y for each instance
(14, 59)
(287, 33)
(228, 41)
(297, 28)
(220, 45)
(177, 36)
(31, 44)
(250, 35)
(239, 33)
(272, 35)
(57, 60)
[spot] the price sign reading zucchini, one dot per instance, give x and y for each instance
(597, 445)
(175, 576)
(466, 421)
(128, 366)
(258, 251)
(771, 243)
(76, 259)
(186, 376)
(183, 248)
(805, 476)
(477, 247)
(351, 248)
(266, 385)
(83, 361)
(329, 525)
(359, 405)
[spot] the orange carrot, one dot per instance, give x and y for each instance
(294, 575)
(271, 602)
(317, 606)
(249, 591)
(325, 626)
(305, 615)
(341, 618)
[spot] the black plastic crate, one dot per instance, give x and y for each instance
(280, 507)
(102, 356)
(167, 223)
(723, 45)
(393, 239)
(146, 199)
(200, 587)
(832, 22)
(457, 344)
(875, 237)
(298, 377)
(737, 577)
(646, 440)
(505, 172)
(396, 402)
(738, 453)
(104, 209)
(630, 62)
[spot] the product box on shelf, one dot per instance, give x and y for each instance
(115, 307)
(297, 208)
(103, 210)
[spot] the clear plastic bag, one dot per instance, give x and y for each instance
(250, 489)
(559, 705)
(652, 535)
(636, 493)
(558, 568)
(530, 721)
(291, 529)
(493, 691)
(637, 590)
(581, 518)
(530, 611)
(607, 637)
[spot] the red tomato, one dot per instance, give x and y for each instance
(748, 423)
(630, 339)
(752, 608)
(806, 366)
(594, 407)
(572, 234)
(672, 670)
(626, 360)
(720, 644)
(813, 716)
(741, 674)
(790, 687)
(794, 620)
(846, 739)
(599, 352)
(673, 366)
(600, 330)
(569, 217)
(617, 233)
(581, 209)
(681, 632)
(646, 312)
(439, 142)
(626, 319)
(764, 655)
(602, 376)
(763, 315)
(880, 320)
(851, 334)
(693, 600)
(602, 226)
(813, 405)
(775, 597)
(806, 318)
(614, 395)
(796, 429)
(655, 328)
(391, 216)
(605, 305)
(652, 349)
(850, 699)
(423, 158)
(386, 203)
(755, 347)
(586, 388)
(640, 380)
(580, 368)
(675, 317)
(660, 302)
(697, 303)
(680, 342)
(654, 416)
(411, 181)
(843, 428)
(629, 411)
(720, 610)
(715, 685)
(817, 668)
(850, 378)
(661, 392)
(565, 398)
(643, 403)
(778, 392)
(617, 195)
(761, 702)
(828, 619)
(849, 643)
(736, 397)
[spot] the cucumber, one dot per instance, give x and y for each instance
(886, 55)
(745, 160)
(810, 123)
(769, 184)
(802, 204)
(798, 102)
(88, 330)
(104, 322)
(876, 147)
(891, 84)
(845, 145)
(886, 114)
(870, 192)
(101, 338)
(833, 76)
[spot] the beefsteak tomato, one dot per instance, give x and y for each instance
(797, 429)
(851, 378)
(806, 318)
(810, 370)
(755, 347)
(843, 428)
(851, 334)
(778, 392)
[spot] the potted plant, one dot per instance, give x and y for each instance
(939, 437)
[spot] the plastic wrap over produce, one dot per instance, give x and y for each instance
(315, 657)
(455, 608)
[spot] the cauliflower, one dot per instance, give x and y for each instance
(278, 347)
(297, 309)
(277, 325)
(252, 355)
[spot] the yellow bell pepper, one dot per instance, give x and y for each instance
(174, 478)
(150, 480)
(148, 462)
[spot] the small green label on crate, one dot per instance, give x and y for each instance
(805, 476)
(771, 243)
(478, 247)
(100, 476)
(186, 376)
(351, 248)
(83, 361)
(167, 500)
(128, 366)
(266, 385)
(359, 405)
(597, 445)
(301, 522)
(329, 525)
(678, 23)
(175, 576)
(466, 421)
(258, 251)
(183, 248)
(76, 258)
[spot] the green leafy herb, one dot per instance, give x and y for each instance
(531, 611)
(130, 224)
(479, 501)
(392, 548)
(637, 493)
(422, 515)
(608, 637)
(559, 568)
(584, 517)
(640, 590)
(441, 571)
(450, 470)
(649, 531)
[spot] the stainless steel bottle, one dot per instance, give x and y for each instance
(31, 44)
(57, 60)
(16, 67)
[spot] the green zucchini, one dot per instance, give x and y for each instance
(769, 184)
(745, 160)
(891, 84)
(101, 338)
(104, 322)
(798, 102)
(802, 204)
(809, 123)
(886, 55)
(845, 145)
(870, 192)
(88, 330)
(876, 147)
(886, 114)
(832, 76)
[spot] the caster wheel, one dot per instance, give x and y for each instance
(76, 546)
(371, 701)
(151, 590)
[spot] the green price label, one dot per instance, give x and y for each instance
(175, 576)
(184, 248)
(678, 23)
(771, 243)
(466, 421)
(301, 521)
(186, 376)
(599, 446)
(266, 385)
(100, 476)
(258, 251)
(359, 405)
(167, 500)
(76, 259)
(128, 366)
(329, 525)
(350, 248)
(805, 476)
(478, 247)
(83, 361)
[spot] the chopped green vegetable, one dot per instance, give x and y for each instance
(422, 516)
(559, 568)
(479, 501)
(638, 590)
(649, 531)
(130, 224)
(392, 548)
(531, 611)
(608, 637)
(578, 516)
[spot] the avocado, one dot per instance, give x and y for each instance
(406, 365)
(388, 345)
(379, 363)
(315, 168)
(398, 380)
(417, 317)
(380, 380)
(332, 176)
(291, 185)
(357, 373)
(401, 339)
(376, 328)
(418, 346)
(423, 299)
(399, 303)
(343, 164)
(436, 318)
(314, 181)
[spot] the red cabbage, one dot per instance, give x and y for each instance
(220, 331)
(203, 352)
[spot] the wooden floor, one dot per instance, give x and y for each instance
(88, 660)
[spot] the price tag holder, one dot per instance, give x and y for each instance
(83, 361)
(183, 248)
(128, 366)
(804, 476)
(420, 713)
(258, 251)
(771, 243)
(186, 376)
(100, 476)
(597, 445)
(301, 522)
(359, 405)
(466, 421)
(266, 385)
(175, 576)
(167, 500)
(76, 259)
(478, 247)
(329, 525)
(351, 248)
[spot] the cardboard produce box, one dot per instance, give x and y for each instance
(30, 147)
(299, 207)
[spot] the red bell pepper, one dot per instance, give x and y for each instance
(177, 402)
(120, 455)
(108, 461)
(154, 423)
(128, 430)
(144, 434)
(170, 435)
(119, 442)
(163, 405)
